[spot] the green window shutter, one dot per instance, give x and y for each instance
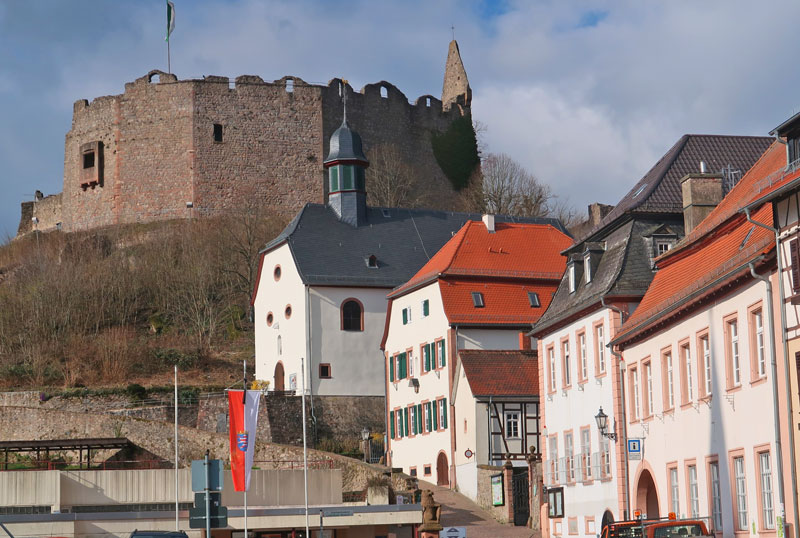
(391, 423)
(444, 413)
(426, 351)
(419, 418)
(391, 368)
(435, 414)
(405, 316)
(442, 356)
(405, 421)
(401, 366)
(427, 416)
(425, 307)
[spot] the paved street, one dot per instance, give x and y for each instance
(459, 511)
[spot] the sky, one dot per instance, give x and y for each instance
(587, 95)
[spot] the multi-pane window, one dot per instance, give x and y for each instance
(443, 413)
(601, 351)
(512, 425)
(761, 361)
(741, 493)
(412, 416)
(582, 355)
(551, 361)
(440, 350)
(694, 497)
(571, 277)
(765, 470)
(706, 350)
(670, 381)
(565, 363)
(637, 410)
(586, 454)
(716, 496)
(428, 418)
(733, 351)
(674, 491)
(648, 387)
(552, 453)
(605, 457)
(688, 393)
(569, 456)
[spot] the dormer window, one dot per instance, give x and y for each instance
(662, 246)
(533, 299)
(793, 149)
(477, 299)
(571, 277)
(587, 267)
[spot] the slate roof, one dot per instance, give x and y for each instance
(501, 373)
(659, 191)
(329, 252)
(626, 266)
(717, 255)
(345, 145)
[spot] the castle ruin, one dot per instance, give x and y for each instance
(169, 148)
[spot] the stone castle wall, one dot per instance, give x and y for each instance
(157, 157)
(43, 215)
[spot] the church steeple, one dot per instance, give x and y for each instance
(455, 89)
(346, 165)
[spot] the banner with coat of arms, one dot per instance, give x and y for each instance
(243, 412)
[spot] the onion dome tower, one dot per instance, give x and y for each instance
(346, 165)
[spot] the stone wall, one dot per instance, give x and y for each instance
(156, 148)
(46, 211)
(25, 423)
(484, 500)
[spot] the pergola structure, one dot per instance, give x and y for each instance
(75, 445)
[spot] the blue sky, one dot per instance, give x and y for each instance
(587, 95)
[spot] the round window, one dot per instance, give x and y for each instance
(269, 319)
(288, 311)
(277, 273)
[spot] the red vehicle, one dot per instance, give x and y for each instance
(656, 528)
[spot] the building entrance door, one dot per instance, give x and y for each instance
(279, 377)
(442, 470)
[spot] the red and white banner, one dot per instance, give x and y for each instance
(243, 414)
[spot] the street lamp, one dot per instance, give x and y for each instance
(365, 438)
(602, 425)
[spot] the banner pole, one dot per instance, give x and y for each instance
(305, 449)
(177, 523)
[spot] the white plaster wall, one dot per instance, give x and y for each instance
(273, 296)
(576, 407)
(467, 478)
(471, 425)
(488, 339)
(355, 356)
(422, 449)
(740, 419)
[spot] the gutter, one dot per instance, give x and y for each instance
(624, 421)
(789, 414)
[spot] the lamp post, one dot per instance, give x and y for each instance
(365, 438)
(602, 424)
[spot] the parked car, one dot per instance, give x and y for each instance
(158, 534)
(669, 527)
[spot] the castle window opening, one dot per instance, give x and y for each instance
(428, 101)
(155, 78)
(384, 92)
(217, 132)
(289, 85)
(88, 159)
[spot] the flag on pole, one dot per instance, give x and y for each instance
(170, 19)
(243, 423)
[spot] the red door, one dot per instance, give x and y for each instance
(442, 470)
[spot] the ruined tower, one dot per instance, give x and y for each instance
(455, 89)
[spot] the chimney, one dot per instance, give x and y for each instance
(701, 194)
(488, 220)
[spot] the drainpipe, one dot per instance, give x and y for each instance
(624, 421)
(789, 415)
(774, 362)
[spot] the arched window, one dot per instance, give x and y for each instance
(352, 315)
(280, 347)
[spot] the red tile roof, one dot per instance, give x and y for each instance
(716, 251)
(505, 302)
(501, 373)
(514, 250)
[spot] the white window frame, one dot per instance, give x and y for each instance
(569, 456)
(733, 340)
(740, 481)
(552, 359)
(637, 404)
(716, 496)
(587, 267)
(758, 315)
(707, 362)
(410, 362)
(675, 492)
(565, 363)
(512, 419)
(582, 351)
(601, 344)
(765, 475)
(648, 370)
(694, 494)
(571, 277)
(670, 381)
(687, 361)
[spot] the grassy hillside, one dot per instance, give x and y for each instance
(124, 304)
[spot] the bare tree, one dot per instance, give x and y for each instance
(391, 182)
(510, 189)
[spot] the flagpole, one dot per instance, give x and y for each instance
(305, 450)
(169, 63)
(177, 523)
(244, 369)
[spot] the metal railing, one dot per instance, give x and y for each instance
(586, 466)
(53, 465)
